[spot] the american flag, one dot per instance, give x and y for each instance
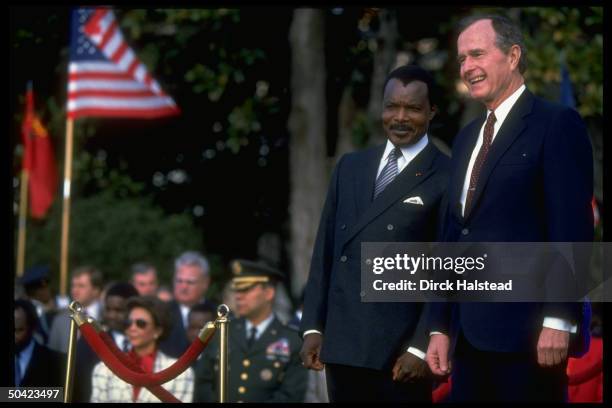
(105, 77)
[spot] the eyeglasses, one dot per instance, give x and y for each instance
(140, 323)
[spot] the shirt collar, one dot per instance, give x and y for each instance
(408, 152)
(93, 310)
(504, 108)
(261, 327)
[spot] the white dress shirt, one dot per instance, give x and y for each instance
(261, 327)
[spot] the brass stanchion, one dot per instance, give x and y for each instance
(222, 322)
(76, 318)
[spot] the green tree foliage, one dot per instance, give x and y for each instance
(573, 34)
(215, 71)
(113, 233)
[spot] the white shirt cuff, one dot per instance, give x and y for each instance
(559, 324)
(416, 352)
(434, 332)
(307, 332)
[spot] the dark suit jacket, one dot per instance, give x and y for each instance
(370, 335)
(176, 343)
(46, 368)
(269, 371)
(536, 185)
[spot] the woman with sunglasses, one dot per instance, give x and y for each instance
(147, 324)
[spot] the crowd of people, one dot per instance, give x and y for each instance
(521, 173)
(155, 328)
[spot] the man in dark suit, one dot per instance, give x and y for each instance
(35, 364)
(389, 193)
(37, 287)
(522, 173)
(191, 281)
(264, 364)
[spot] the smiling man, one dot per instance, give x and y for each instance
(522, 172)
(389, 193)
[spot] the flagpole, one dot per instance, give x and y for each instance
(66, 207)
(23, 208)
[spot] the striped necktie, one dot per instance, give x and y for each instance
(388, 172)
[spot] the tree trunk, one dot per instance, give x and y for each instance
(307, 146)
(384, 61)
(347, 113)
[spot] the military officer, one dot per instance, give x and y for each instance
(264, 364)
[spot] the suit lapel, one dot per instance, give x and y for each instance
(416, 172)
(364, 191)
(511, 129)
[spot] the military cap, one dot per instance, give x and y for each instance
(248, 273)
(34, 275)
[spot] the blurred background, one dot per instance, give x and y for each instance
(270, 99)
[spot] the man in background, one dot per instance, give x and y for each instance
(264, 365)
(144, 279)
(191, 281)
(85, 287)
(35, 364)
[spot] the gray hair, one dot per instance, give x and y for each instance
(142, 267)
(507, 34)
(192, 258)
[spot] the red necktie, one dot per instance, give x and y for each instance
(480, 159)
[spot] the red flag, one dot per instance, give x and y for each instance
(38, 160)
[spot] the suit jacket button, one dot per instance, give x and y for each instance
(343, 258)
(343, 227)
(390, 227)
(465, 231)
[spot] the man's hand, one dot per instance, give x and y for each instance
(409, 368)
(311, 348)
(552, 347)
(437, 354)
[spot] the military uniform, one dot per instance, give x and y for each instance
(268, 371)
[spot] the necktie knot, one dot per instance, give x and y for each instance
(252, 335)
(388, 172)
(394, 154)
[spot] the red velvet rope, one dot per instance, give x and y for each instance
(160, 392)
(116, 365)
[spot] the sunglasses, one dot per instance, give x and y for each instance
(140, 323)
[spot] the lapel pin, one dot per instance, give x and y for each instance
(418, 174)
